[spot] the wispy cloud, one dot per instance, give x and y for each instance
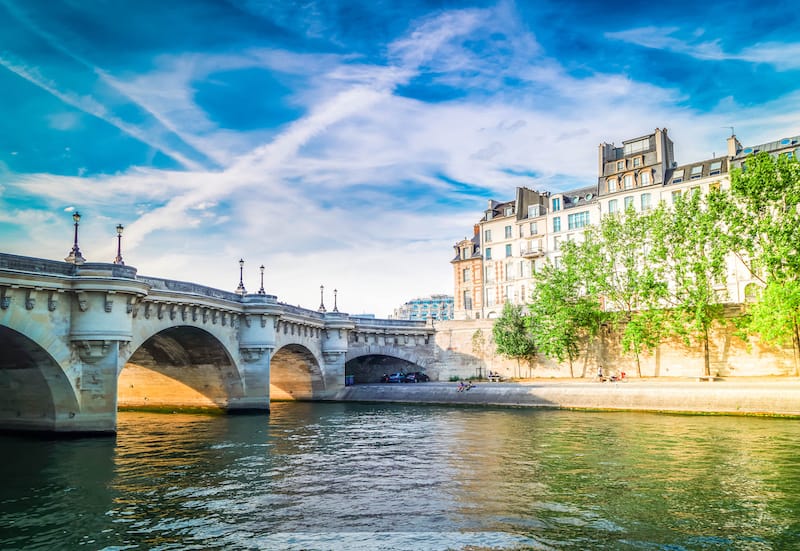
(783, 56)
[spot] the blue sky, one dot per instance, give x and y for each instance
(351, 143)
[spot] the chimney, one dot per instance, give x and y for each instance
(476, 230)
(734, 146)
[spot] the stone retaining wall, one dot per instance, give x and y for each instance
(780, 397)
(466, 349)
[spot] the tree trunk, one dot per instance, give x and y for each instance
(638, 364)
(796, 346)
(706, 353)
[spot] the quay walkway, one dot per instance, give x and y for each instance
(761, 396)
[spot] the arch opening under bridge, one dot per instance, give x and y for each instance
(295, 374)
(182, 366)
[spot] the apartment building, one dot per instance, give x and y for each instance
(513, 239)
(437, 307)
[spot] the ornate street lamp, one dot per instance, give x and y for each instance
(240, 290)
(75, 256)
(261, 290)
(321, 301)
(118, 260)
(335, 308)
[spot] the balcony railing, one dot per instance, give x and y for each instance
(531, 251)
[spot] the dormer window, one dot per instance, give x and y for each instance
(715, 168)
(644, 178)
(627, 181)
(509, 211)
(697, 172)
(677, 177)
(612, 185)
(637, 161)
(620, 165)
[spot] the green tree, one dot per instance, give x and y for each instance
(692, 247)
(629, 274)
(563, 307)
(512, 336)
(763, 219)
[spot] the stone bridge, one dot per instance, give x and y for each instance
(79, 341)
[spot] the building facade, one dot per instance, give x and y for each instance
(437, 307)
(513, 239)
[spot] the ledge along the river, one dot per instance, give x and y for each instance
(773, 397)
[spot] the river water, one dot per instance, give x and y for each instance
(365, 476)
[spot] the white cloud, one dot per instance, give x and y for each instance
(781, 55)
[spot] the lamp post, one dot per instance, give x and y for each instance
(118, 260)
(240, 290)
(321, 299)
(75, 256)
(335, 308)
(261, 290)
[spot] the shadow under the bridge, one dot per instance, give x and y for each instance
(181, 367)
(371, 368)
(295, 374)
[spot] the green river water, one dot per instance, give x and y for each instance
(366, 476)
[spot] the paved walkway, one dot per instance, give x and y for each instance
(757, 396)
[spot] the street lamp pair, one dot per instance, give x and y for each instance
(240, 290)
(322, 300)
(75, 256)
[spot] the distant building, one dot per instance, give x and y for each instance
(438, 307)
(513, 239)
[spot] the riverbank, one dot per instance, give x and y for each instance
(761, 397)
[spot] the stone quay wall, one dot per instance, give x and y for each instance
(775, 397)
(467, 349)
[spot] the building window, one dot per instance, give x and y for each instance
(578, 220)
(489, 274)
(628, 203)
(697, 172)
(508, 250)
(488, 253)
(521, 272)
(556, 243)
(620, 165)
(556, 204)
(612, 206)
(534, 229)
(509, 292)
(467, 301)
(487, 236)
(675, 196)
(508, 232)
(636, 161)
(509, 211)
(715, 168)
(557, 224)
(612, 185)
(636, 147)
(490, 297)
(645, 201)
(677, 177)
(644, 178)
(627, 181)
(466, 275)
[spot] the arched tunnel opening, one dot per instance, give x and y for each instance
(179, 367)
(30, 383)
(372, 368)
(294, 374)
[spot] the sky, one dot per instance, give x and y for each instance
(351, 143)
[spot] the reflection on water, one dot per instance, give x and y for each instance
(355, 476)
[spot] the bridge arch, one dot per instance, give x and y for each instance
(35, 392)
(295, 374)
(183, 366)
(368, 365)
